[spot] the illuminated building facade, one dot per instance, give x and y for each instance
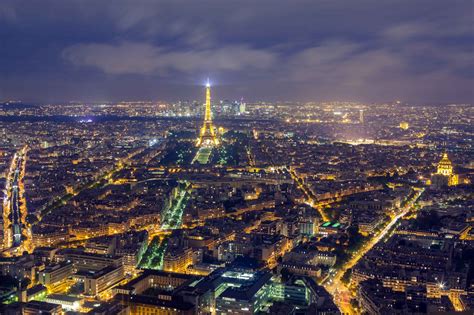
(97, 282)
(444, 174)
(178, 260)
(56, 275)
(404, 125)
(445, 166)
(243, 292)
(207, 136)
(309, 227)
(38, 307)
(67, 303)
(242, 106)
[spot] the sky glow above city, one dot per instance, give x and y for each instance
(416, 51)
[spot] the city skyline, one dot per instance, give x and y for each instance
(236, 157)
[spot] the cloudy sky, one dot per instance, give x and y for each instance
(365, 50)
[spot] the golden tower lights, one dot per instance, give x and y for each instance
(207, 136)
(445, 167)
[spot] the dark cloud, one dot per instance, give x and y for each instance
(143, 58)
(420, 51)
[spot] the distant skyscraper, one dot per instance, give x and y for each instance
(361, 116)
(242, 106)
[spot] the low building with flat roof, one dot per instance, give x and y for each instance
(68, 303)
(99, 281)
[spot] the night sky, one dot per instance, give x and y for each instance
(376, 50)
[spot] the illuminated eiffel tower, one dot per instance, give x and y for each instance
(207, 136)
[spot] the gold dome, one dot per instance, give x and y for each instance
(445, 167)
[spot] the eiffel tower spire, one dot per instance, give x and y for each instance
(207, 136)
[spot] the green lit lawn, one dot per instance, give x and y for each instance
(203, 155)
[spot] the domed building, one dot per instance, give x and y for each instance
(445, 175)
(445, 167)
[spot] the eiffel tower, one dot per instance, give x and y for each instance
(207, 136)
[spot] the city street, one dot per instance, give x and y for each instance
(19, 234)
(334, 285)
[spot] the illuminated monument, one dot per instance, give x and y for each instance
(445, 167)
(444, 174)
(207, 136)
